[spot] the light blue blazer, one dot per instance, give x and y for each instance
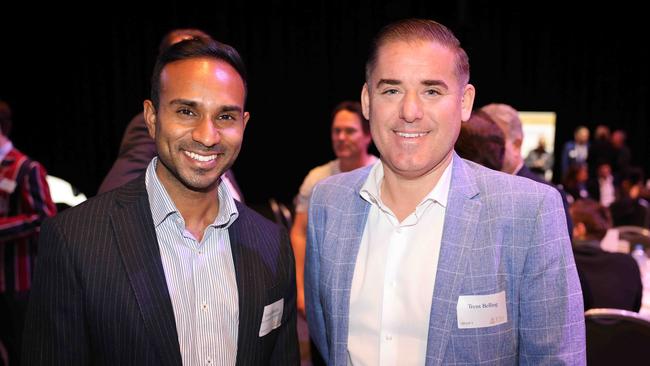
(501, 233)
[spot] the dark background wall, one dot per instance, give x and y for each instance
(77, 83)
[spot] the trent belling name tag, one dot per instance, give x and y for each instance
(480, 311)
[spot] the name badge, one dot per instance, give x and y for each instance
(480, 311)
(272, 317)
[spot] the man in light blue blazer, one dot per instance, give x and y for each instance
(426, 258)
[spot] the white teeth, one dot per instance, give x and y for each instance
(411, 135)
(198, 157)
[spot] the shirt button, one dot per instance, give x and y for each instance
(204, 306)
(208, 361)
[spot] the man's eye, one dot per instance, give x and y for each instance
(390, 91)
(185, 112)
(431, 92)
(226, 117)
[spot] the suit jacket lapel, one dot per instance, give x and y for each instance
(249, 287)
(461, 220)
(136, 238)
(350, 232)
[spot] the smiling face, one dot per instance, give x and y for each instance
(348, 139)
(415, 103)
(199, 124)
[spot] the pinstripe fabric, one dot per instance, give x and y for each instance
(501, 233)
(100, 296)
(265, 272)
(200, 277)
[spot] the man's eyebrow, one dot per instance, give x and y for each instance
(434, 83)
(231, 108)
(191, 103)
(388, 81)
(187, 102)
(423, 82)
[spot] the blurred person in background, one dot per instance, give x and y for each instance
(575, 151)
(25, 202)
(481, 141)
(508, 119)
(351, 138)
(539, 160)
(608, 280)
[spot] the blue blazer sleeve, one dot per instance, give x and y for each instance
(551, 316)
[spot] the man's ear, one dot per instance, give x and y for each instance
(365, 101)
(150, 117)
(467, 102)
(247, 116)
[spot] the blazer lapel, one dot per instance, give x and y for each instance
(461, 220)
(350, 230)
(251, 282)
(136, 239)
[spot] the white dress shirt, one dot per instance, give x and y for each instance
(394, 276)
(200, 277)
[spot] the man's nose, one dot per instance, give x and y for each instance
(206, 133)
(411, 109)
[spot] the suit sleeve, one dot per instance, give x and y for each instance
(35, 201)
(55, 331)
(313, 306)
(286, 350)
(551, 324)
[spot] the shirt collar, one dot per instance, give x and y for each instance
(371, 189)
(162, 205)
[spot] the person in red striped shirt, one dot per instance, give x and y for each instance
(24, 202)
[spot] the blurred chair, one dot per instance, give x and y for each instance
(617, 337)
(281, 213)
(634, 235)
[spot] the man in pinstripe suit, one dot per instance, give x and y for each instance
(169, 269)
(426, 258)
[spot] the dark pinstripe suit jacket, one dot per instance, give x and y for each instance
(100, 295)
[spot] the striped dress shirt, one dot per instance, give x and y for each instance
(200, 277)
